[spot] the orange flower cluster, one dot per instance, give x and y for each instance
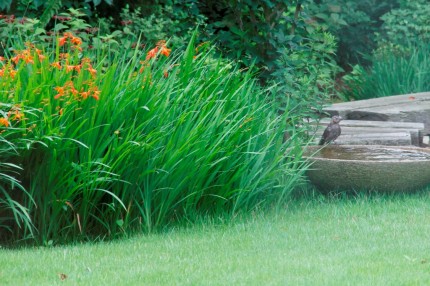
(160, 47)
(85, 64)
(89, 89)
(27, 55)
(73, 79)
(8, 70)
(75, 41)
(14, 114)
(68, 89)
(4, 122)
(153, 53)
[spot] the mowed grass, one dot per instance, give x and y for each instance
(360, 240)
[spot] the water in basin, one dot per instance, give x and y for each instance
(371, 154)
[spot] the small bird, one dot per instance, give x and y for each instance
(332, 131)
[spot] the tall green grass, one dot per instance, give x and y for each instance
(393, 71)
(168, 139)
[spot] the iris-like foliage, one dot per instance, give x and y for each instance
(104, 148)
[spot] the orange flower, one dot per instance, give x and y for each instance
(16, 115)
(73, 90)
(95, 92)
(28, 59)
(165, 51)
(144, 65)
(64, 56)
(84, 94)
(12, 73)
(41, 57)
(2, 59)
(60, 90)
(69, 68)
(15, 59)
(62, 41)
(152, 53)
(4, 122)
(92, 71)
(95, 96)
(76, 41)
(56, 65)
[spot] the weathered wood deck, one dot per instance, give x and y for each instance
(413, 107)
(393, 120)
(376, 132)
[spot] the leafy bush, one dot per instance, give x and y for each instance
(157, 22)
(354, 24)
(407, 25)
(104, 148)
(34, 5)
(307, 81)
(256, 32)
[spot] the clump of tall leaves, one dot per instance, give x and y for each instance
(100, 148)
(395, 70)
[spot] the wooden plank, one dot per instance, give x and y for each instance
(381, 124)
(400, 108)
(416, 139)
(382, 101)
(415, 129)
(371, 111)
(390, 139)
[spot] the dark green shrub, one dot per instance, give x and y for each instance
(307, 79)
(354, 23)
(407, 25)
(160, 22)
(256, 32)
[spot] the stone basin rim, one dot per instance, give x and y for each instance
(316, 149)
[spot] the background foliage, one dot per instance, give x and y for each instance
(354, 23)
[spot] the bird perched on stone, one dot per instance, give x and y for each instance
(332, 131)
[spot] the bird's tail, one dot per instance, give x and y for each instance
(322, 142)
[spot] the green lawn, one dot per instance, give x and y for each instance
(369, 240)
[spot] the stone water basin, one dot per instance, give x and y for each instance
(368, 167)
